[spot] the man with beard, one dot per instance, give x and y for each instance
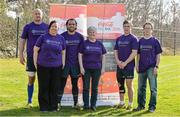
(31, 32)
(73, 40)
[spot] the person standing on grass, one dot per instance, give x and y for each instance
(73, 40)
(125, 51)
(148, 60)
(92, 65)
(49, 59)
(30, 34)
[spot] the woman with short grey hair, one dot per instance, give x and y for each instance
(92, 61)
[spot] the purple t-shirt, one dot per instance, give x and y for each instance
(148, 49)
(72, 47)
(31, 32)
(92, 54)
(50, 53)
(124, 45)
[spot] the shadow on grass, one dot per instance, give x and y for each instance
(65, 111)
(124, 112)
(69, 111)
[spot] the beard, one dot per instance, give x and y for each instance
(71, 29)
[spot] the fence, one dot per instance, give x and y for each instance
(170, 41)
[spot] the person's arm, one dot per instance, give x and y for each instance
(130, 58)
(81, 63)
(157, 63)
(137, 63)
(21, 51)
(35, 55)
(118, 62)
(103, 63)
(63, 57)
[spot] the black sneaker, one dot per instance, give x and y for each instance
(85, 108)
(44, 111)
(53, 110)
(139, 108)
(151, 110)
(93, 108)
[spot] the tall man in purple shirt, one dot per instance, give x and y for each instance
(148, 59)
(30, 34)
(73, 40)
(125, 51)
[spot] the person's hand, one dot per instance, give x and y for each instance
(137, 69)
(102, 71)
(119, 64)
(123, 65)
(35, 65)
(101, 80)
(82, 70)
(21, 59)
(63, 66)
(155, 71)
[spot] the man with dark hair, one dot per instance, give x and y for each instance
(73, 40)
(148, 60)
(125, 51)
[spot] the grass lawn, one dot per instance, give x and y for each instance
(13, 82)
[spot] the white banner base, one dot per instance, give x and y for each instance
(107, 99)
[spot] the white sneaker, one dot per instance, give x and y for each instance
(29, 105)
(59, 107)
(78, 107)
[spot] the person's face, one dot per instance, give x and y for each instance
(71, 26)
(147, 30)
(92, 34)
(37, 15)
(53, 29)
(127, 28)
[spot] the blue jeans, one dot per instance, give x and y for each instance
(95, 75)
(142, 78)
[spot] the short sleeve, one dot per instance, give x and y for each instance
(135, 44)
(25, 32)
(39, 41)
(103, 49)
(64, 43)
(158, 48)
(81, 39)
(81, 47)
(116, 44)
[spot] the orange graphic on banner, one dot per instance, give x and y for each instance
(107, 18)
(107, 84)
